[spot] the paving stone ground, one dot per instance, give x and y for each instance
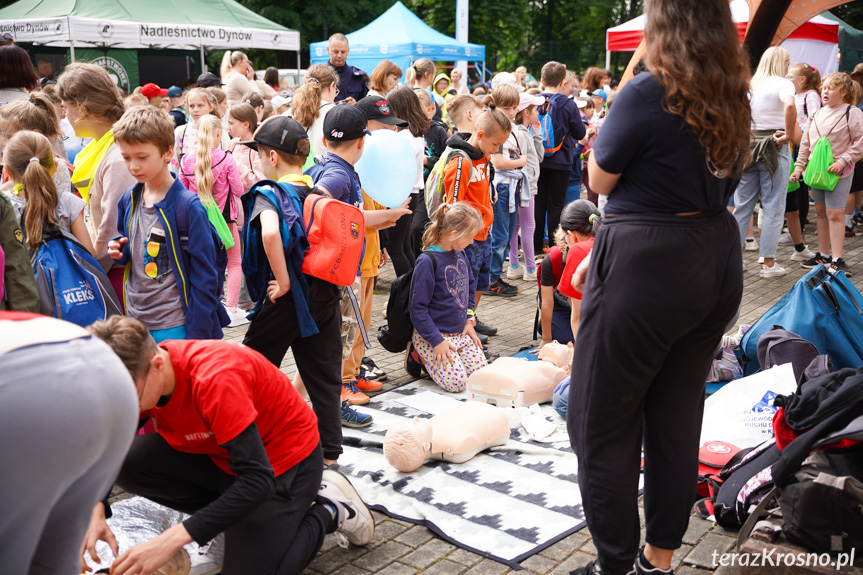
(401, 548)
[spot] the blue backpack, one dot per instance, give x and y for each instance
(823, 308)
(71, 283)
(548, 118)
(256, 266)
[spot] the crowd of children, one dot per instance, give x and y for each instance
(192, 202)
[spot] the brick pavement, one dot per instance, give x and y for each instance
(401, 548)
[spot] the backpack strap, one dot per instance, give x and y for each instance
(458, 169)
(556, 257)
(181, 214)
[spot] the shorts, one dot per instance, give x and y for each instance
(349, 318)
(479, 256)
(835, 199)
(857, 182)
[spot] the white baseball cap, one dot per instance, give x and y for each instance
(505, 78)
(526, 100)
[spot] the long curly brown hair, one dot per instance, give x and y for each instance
(694, 52)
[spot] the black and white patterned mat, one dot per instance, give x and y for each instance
(507, 503)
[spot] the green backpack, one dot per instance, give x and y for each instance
(817, 174)
(435, 194)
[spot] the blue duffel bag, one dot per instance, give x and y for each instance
(824, 308)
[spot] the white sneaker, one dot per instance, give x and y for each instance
(355, 521)
(529, 276)
(238, 317)
(750, 245)
(785, 240)
(771, 272)
(515, 272)
(761, 259)
(802, 256)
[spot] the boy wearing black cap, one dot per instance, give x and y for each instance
(299, 311)
(208, 80)
(380, 117)
(345, 128)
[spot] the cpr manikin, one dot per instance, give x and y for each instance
(455, 435)
(558, 354)
(514, 382)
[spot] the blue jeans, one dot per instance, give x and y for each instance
(757, 182)
(573, 193)
(501, 230)
(560, 399)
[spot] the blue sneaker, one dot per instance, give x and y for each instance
(353, 418)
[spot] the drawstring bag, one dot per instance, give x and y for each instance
(793, 186)
(218, 220)
(817, 174)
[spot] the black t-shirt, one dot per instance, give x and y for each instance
(547, 279)
(661, 165)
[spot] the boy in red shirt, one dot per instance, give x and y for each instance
(237, 448)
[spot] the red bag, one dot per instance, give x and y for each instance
(335, 231)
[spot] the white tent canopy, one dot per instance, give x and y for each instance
(816, 42)
(142, 24)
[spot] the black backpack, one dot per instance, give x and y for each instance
(744, 481)
(822, 510)
(394, 336)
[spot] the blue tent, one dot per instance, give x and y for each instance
(399, 36)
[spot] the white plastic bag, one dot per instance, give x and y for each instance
(741, 412)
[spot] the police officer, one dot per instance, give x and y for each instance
(353, 82)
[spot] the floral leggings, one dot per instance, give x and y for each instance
(451, 374)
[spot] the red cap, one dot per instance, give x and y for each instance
(151, 90)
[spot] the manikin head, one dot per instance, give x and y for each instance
(558, 354)
(407, 445)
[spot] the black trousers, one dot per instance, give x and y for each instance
(660, 292)
(274, 329)
(548, 203)
(419, 223)
(280, 537)
(400, 242)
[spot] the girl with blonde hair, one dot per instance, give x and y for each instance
(841, 122)
(212, 174)
(312, 101)
(773, 119)
(30, 161)
(442, 298)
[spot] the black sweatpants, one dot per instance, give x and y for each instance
(275, 328)
(400, 242)
(419, 223)
(548, 203)
(280, 537)
(660, 292)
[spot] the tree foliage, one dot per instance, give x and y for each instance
(514, 32)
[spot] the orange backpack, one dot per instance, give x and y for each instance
(335, 231)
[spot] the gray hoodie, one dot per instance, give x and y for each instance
(535, 153)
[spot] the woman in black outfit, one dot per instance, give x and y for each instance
(663, 283)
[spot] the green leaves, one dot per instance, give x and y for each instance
(514, 32)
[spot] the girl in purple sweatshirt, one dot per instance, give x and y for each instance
(442, 299)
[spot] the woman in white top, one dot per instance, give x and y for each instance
(405, 105)
(455, 83)
(312, 101)
(235, 66)
(773, 119)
